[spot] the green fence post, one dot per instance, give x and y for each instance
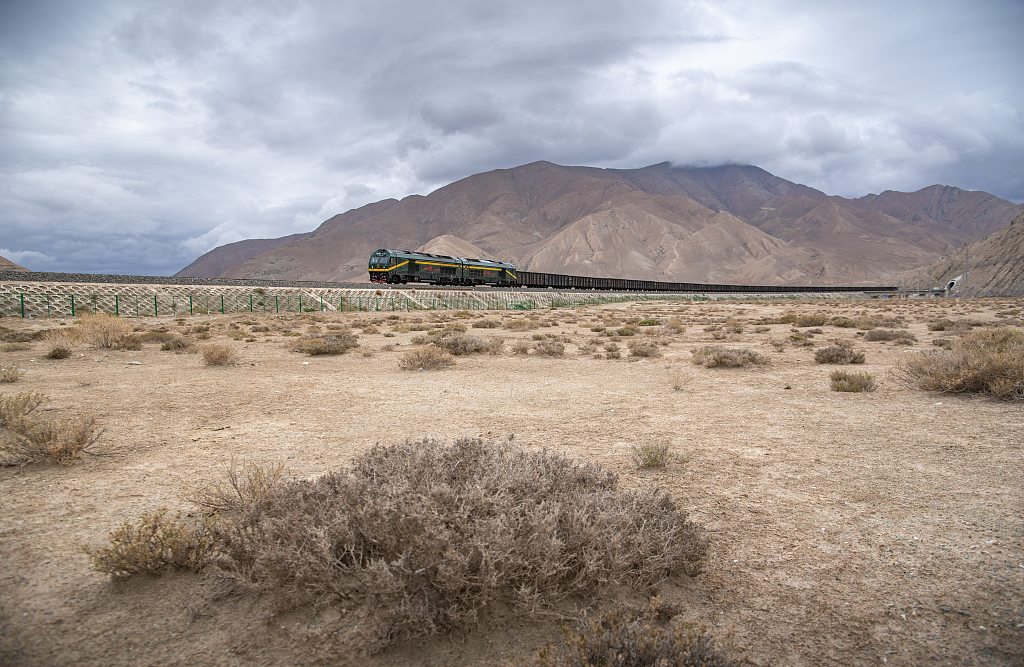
(47, 306)
(321, 303)
(154, 307)
(221, 304)
(117, 306)
(136, 305)
(277, 306)
(189, 304)
(250, 303)
(22, 304)
(72, 305)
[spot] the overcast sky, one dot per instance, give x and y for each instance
(135, 136)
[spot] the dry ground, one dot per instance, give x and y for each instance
(850, 529)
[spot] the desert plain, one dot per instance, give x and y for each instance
(843, 528)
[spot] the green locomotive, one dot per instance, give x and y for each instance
(402, 266)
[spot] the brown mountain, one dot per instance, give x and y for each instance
(8, 265)
(222, 258)
(994, 266)
(736, 224)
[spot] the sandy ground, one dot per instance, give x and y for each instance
(851, 529)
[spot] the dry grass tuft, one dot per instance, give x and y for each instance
(988, 362)
(520, 325)
(838, 355)
(28, 436)
(852, 381)
(10, 373)
(713, 356)
(106, 332)
(426, 358)
(652, 455)
(521, 347)
(219, 355)
(618, 639)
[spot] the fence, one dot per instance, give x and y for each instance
(23, 304)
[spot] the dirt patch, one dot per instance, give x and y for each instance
(853, 528)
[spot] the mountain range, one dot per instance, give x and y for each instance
(728, 224)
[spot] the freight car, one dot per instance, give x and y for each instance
(394, 266)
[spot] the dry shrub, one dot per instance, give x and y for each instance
(105, 331)
(155, 544)
(10, 373)
(427, 358)
(842, 322)
(673, 326)
(58, 352)
(521, 347)
(178, 345)
(459, 344)
(219, 355)
(619, 639)
(549, 348)
(520, 325)
(713, 356)
(651, 455)
(424, 536)
(486, 324)
(627, 331)
(28, 436)
(904, 337)
(988, 362)
(852, 381)
(811, 320)
(640, 348)
(651, 322)
(679, 381)
(338, 342)
(244, 486)
(156, 336)
(838, 355)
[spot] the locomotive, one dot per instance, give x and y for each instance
(403, 266)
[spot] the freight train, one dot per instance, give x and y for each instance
(402, 267)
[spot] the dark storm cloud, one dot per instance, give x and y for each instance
(139, 135)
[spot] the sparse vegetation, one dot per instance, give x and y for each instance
(427, 358)
(713, 356)
(852, 381)
(519, 325)
(486, 324)
(990, 361)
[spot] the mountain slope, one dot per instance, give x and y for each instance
(8, 265)
(659, 222)
(222, 258)
(995, 265)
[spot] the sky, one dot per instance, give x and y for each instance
(136, 136)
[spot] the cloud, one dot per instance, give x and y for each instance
(139, 135)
